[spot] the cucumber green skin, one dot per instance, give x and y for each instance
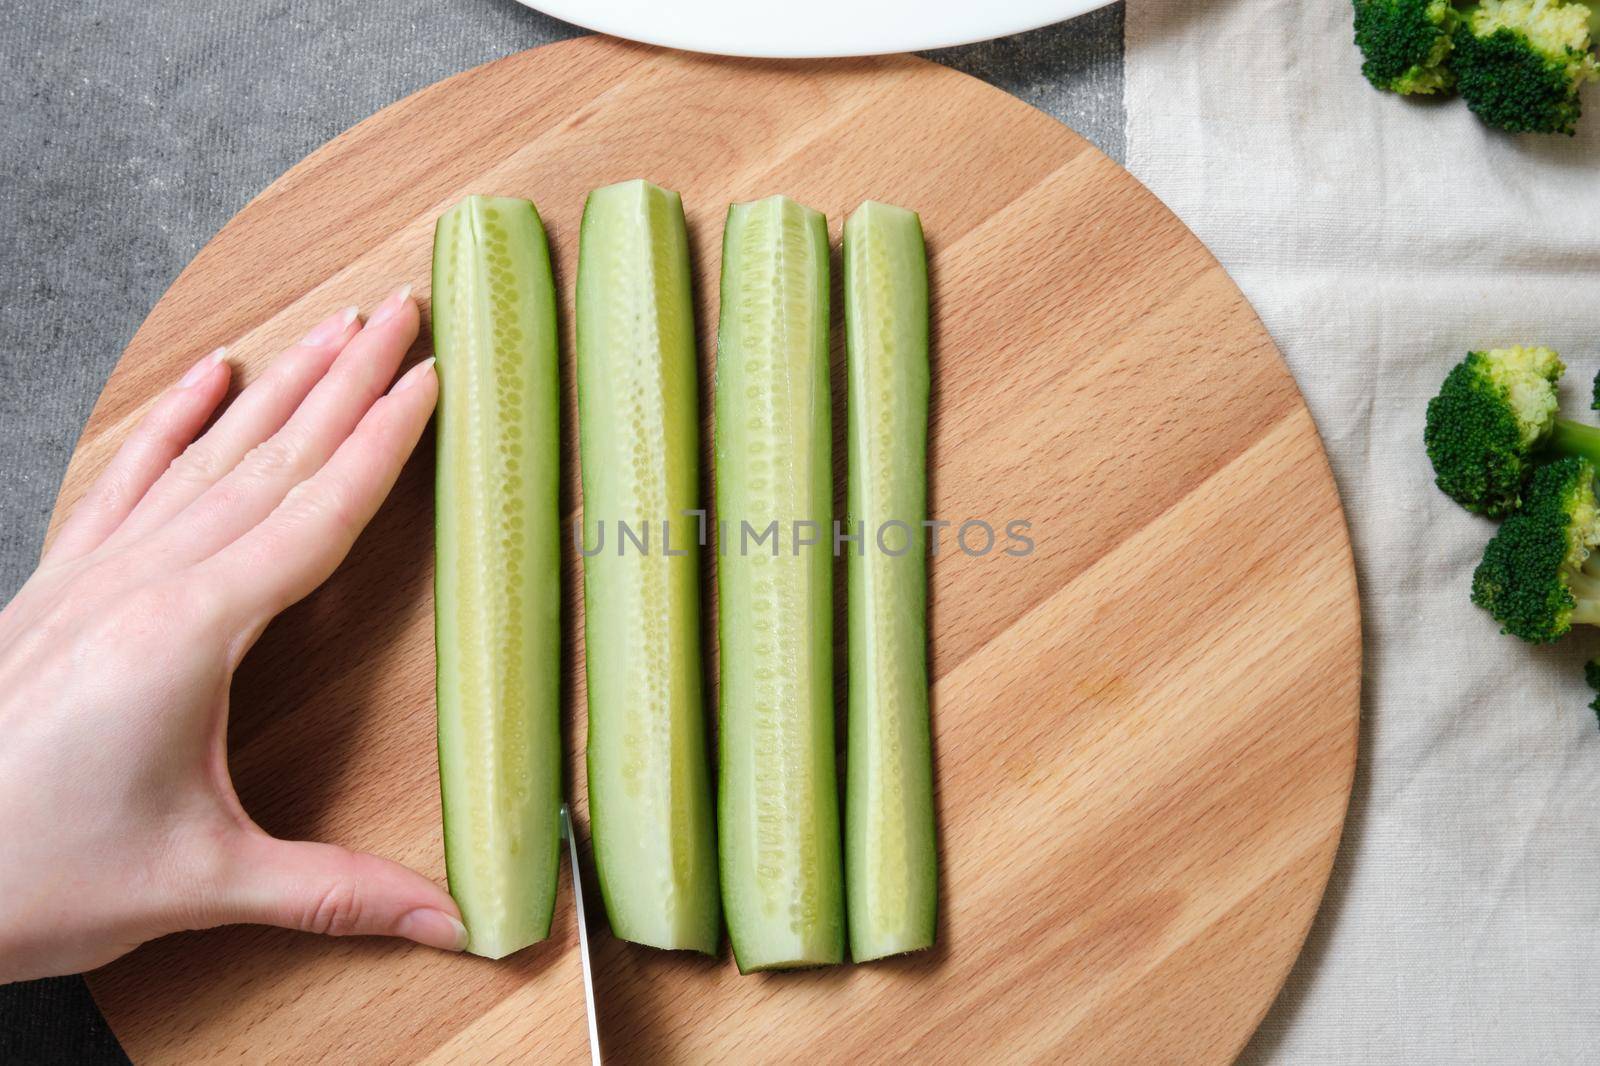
(778, 816)
(649, 780)
(891, 868)
(497, 584)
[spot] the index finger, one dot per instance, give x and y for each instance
(305, 539)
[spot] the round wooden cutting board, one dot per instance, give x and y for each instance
(1145, 730)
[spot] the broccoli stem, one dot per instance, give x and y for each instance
(1576, 439)
(1585, 588)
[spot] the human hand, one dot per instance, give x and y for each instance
(118, 819)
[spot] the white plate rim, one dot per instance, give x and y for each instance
(830, 28)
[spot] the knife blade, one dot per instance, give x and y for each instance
(583, 935)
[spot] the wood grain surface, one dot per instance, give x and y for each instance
(1145, 731)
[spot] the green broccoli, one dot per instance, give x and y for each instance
(1521, 63)
(1406, 43)
(1594, 402)
(1591, 674)
(1493, 420)
(1536, 577)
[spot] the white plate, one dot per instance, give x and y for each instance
(805, 28)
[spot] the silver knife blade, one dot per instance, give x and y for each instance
(583, 935)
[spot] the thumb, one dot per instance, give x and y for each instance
(323, 888)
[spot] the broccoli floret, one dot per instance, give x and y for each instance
(1591, 674)
(1536, 577)
(1494, 418)
(1594, 402)
(1406, 43)
(1521, 63)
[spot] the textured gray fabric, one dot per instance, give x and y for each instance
(129, 133)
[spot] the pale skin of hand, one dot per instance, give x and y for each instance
(118, 819)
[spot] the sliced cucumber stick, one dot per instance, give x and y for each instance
(891, 877)
(497, 587)
(778, 825)
(649, 784)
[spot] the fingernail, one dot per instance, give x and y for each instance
(434, 928)
(197, 373)
(331, 328)
(415, 374)
(391, 304)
